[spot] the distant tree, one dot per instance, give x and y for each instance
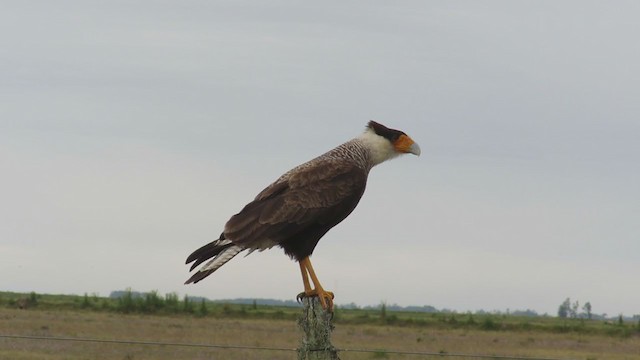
(203, 311)
(574, 309)
(152, 302)
(187, 305)
(126, 303)
(587, 309)
(564, 308)
(527, 312)
(226, 309)
(85, 301)
(172, 302)
(33, 299)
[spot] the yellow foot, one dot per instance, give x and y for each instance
(325, 297)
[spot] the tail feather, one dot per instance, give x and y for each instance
(219, 251)
(207, 252)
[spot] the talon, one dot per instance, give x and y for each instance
(325, 298)
(301, 296)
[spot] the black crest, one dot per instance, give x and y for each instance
(390, 134)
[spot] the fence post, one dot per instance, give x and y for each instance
(316, 327)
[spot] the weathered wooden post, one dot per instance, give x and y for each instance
(316, 327)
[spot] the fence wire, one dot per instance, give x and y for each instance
(267, 348)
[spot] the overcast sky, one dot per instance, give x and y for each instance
(131, 131)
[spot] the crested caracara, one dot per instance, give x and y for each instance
(303, 204)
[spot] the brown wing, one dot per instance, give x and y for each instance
(296, 211)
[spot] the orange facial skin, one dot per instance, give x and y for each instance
(403, 144)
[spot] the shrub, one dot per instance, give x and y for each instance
(489, 324)
(203, 310)
(126, 303)
(33, 299)
(187, 305)
(152, 302)
(171, 302)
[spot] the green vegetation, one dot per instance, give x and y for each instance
(130, 302)
(144, 317)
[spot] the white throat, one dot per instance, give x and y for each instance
(380, 149)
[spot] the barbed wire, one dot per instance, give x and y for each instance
(445, 354)
(154, 343)
(268, 348)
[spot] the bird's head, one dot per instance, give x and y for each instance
(385, 143)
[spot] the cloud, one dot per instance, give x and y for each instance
(130, 134)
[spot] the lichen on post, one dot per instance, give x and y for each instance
(316, 326)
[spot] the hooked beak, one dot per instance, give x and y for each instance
(414, 149)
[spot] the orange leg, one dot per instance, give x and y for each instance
(325, 297)
(305, 279)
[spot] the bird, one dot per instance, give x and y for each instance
(303, 204)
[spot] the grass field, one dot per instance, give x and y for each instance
(274, 333)
(237, 325)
